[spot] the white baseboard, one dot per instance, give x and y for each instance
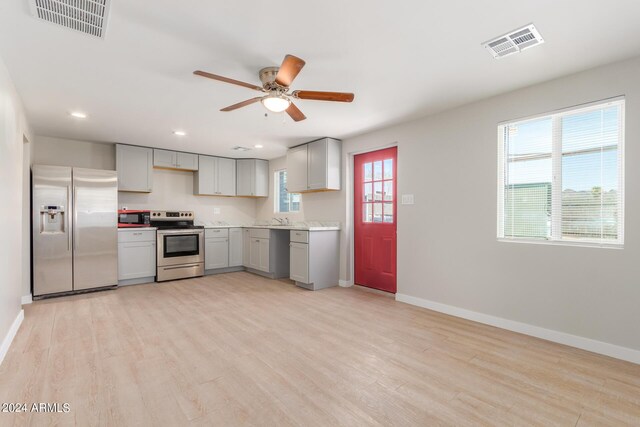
(345, 283)
(612, 350)
(8, 339)
(26, 299)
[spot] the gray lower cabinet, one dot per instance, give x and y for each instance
(313, 258)
(135, 168)
(299, 262)
(136, 256)
(259, 254)
(268, 252)
(223, 249)
(216, 248)
(235, 247)
(246, 246)
(216, 253)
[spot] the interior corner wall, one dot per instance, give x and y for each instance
(27, 156)
(448, 252)
(13, 129)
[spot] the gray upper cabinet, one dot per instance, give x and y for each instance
(164, 158)
(175, 160)
(226, 177)
(297, 159)
(314, 166)
(135, 168)
(252, 178)
(216, 176)
(187, 161)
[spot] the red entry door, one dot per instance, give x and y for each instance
(375, 218)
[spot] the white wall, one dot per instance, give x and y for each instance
(172, 190)
(13, 129)
(447, 247)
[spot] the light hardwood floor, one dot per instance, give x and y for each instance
(237, 349)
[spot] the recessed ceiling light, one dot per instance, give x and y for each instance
(78, 115)
(179, 132)
(258, 146)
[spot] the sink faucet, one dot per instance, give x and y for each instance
(281, 221)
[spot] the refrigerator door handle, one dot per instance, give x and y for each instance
(68, 218)
(75, 219)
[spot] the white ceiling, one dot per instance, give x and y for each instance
(402, 59)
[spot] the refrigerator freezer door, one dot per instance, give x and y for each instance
(52, 251)
(95, 228)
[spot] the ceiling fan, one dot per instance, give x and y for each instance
(275, 84)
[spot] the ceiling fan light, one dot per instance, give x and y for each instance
(275, 103)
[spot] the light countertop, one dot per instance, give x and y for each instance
(126, 229)
(299, 226)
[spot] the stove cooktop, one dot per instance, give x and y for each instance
(177, 226)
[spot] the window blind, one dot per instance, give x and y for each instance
(561, 176)
(285, 201)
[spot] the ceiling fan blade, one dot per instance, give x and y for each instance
(291, 66)
(295, 113)
(241, 104)
(323, 96)
(226, 80)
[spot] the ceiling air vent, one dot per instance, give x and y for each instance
(514, 41)
(239, 148)
(86, 16)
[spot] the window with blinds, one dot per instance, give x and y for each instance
(561, 176)
(285, 201)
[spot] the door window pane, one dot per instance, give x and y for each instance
(388, 169)
(367, 210)
(368, 192)
(377, 191)
(377, 170)
(368, 174)
(377, 212)
(388, 212)
(388, 190)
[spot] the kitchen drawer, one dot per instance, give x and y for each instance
(299, 236)
(259, 233)
(137, 236)
(216, 232)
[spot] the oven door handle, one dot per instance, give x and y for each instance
(180, 266)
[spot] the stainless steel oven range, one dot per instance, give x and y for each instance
(180, 245)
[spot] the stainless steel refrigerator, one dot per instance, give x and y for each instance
(75, 229)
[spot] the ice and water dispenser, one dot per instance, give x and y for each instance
(52, 219)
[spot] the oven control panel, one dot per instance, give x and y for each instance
(172, 215)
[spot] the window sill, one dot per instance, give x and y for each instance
(563, 243)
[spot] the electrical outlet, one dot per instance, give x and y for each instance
(216, 211)
(407, 199)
